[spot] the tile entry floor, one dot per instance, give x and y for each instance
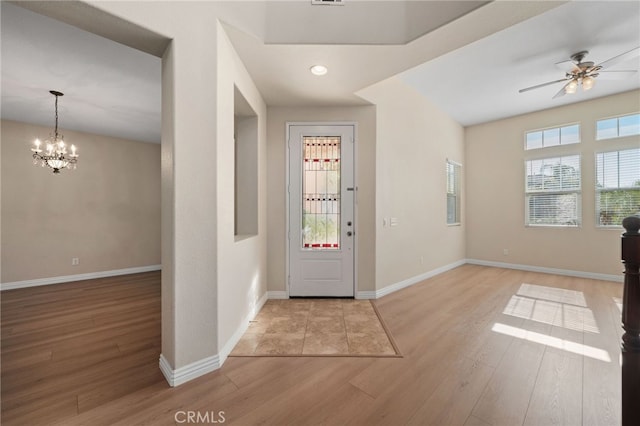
(316, 327)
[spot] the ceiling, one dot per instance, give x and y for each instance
(385, 22)
(458, 54)
(281, 70)
(496, 67)
(109, 88)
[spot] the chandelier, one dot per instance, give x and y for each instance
(55, 155)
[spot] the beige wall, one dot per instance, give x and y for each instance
(276, 181)
(495, 190)
(414, 139)
(106, 213)
(189, 230)
(206, 279)
(242, 262)
(246, 183)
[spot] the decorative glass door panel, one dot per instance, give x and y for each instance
(320, 210)
(321, 193)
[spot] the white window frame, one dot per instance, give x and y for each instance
(453, 189)
(528, 194)
(618, 188)
(547, 129)
(617, 118)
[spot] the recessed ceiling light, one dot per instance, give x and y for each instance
(318, 70)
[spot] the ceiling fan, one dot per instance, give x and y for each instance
(579, 73)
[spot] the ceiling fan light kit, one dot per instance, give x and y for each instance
(56, 156)
(579, 73)
(571, 87)
(588, 82)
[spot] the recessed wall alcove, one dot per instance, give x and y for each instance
(245, 168)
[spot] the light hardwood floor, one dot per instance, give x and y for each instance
(68, 348)
(481, 346)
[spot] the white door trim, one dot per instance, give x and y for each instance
(288, 125)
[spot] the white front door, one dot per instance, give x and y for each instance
(321, 210)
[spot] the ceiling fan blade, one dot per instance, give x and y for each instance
(561, 92)
(540, 85)
(616, 75)
(567, 66)
(633, 53)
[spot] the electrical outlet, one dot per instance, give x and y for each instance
(75, 261)
(505, 252)
(422, 260)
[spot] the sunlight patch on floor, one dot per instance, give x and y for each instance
(555, 306)
(618, 302)
(554, 342)
(553, 294)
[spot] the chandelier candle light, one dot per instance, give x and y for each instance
(56, 156)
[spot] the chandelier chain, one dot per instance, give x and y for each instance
(56, 128)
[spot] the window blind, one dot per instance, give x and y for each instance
(453, 193)
(552, 191)
(617, 186)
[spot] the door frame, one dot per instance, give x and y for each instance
(288, 125)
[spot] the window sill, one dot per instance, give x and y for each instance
(554, 226)
(243, 237)
(454, 224)
(614, 138)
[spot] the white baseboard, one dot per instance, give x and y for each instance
(277, 295)
(209, 364)
(418, 278)
(188, 372)
(78, 277)
(366, 295)
(414, 280)
(233, 341)
(567, 272)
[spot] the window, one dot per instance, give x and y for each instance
(551, 137)
(552, 191)
(321, 192)
(453, 193)
(617, 127)
(617, 186)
